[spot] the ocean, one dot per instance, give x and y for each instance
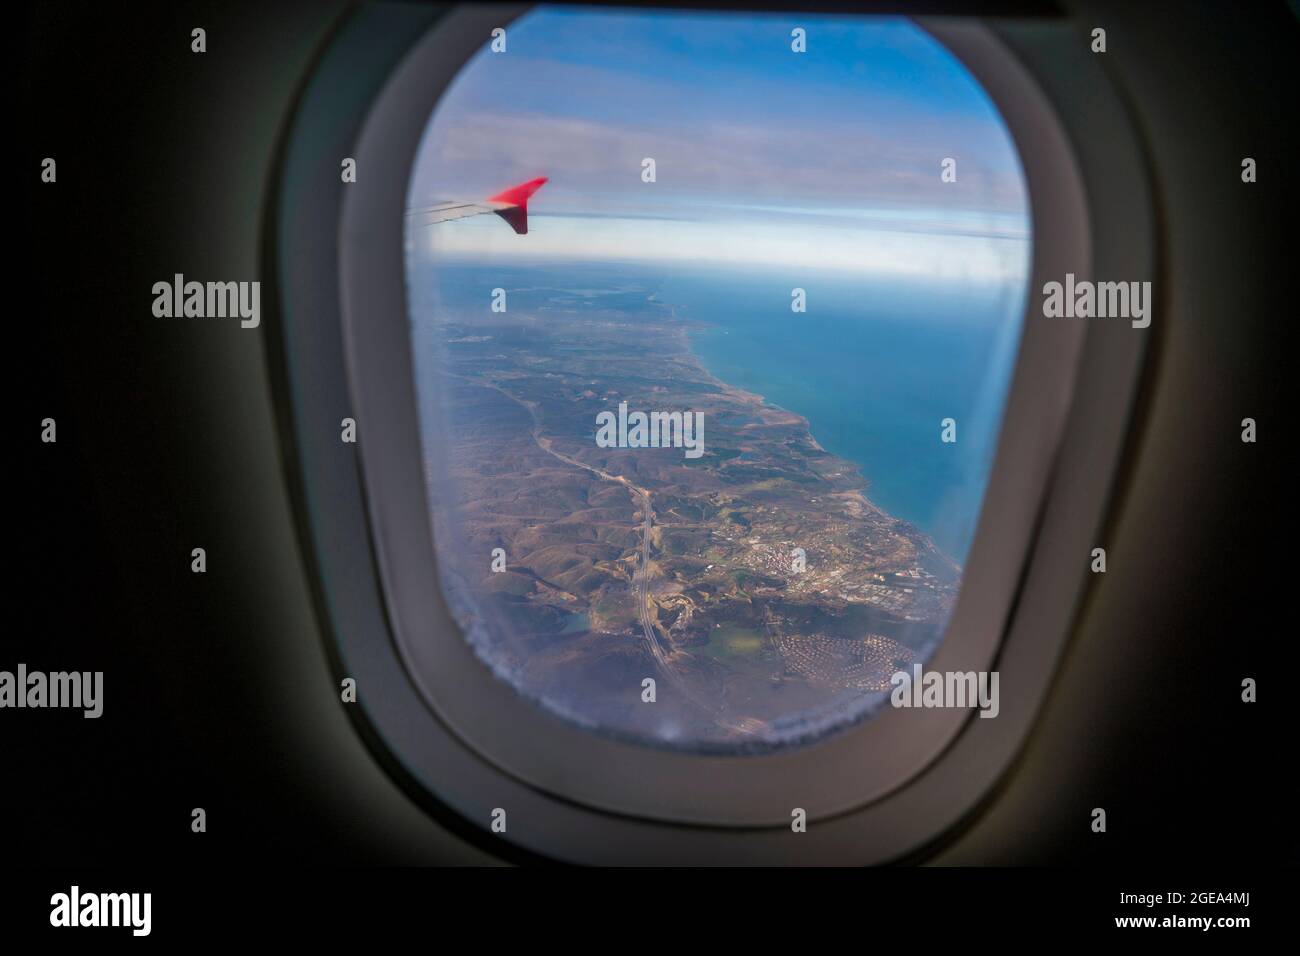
(875, 366)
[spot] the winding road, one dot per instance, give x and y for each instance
(641, 578)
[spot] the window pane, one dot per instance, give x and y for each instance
(687, 425)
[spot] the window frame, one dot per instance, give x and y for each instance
(873, 792)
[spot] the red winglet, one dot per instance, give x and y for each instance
(518, 197)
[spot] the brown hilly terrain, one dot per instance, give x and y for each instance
(756, 584)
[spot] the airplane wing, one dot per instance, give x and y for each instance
(510, 204)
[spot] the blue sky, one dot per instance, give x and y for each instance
(829, 158)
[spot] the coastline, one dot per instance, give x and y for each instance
(858, 495)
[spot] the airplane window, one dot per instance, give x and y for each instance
(713, 321)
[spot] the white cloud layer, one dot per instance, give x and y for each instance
(775, 243)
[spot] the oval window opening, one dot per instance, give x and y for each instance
(713, 322)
